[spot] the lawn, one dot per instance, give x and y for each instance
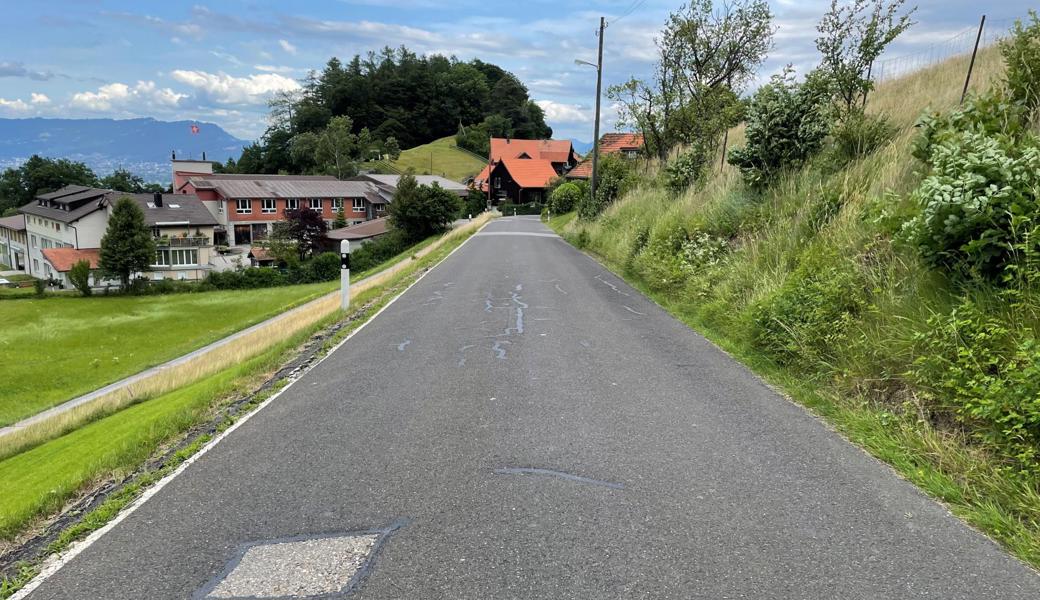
(447, 160)
(54, 349)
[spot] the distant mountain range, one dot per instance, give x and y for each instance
(581, 147)
(142, 146)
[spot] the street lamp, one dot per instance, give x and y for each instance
(599, 86)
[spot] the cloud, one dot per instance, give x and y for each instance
(287, 46)
(226, 89)
(17, 69)
(558, 112)
(145, 94)
(39, 98)
(16, 105)
(275, 69)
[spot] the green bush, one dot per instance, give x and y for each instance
(787, 123)
(79, 276)
(323, 267)
(688, 168)
(972, 365)
(805, 323)
(614, 177)
(1021, 51)
(531, 208)
(371, 254)
(565, 198)
(254, 277)
(978, 205)
(858, 135)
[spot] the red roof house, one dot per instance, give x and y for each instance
(62, 259)
(627, 144)
(518, 171)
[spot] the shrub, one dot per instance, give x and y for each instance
(614, 177)
(372, 254)
(39, 286)
(253, 277)
(858, 135)
(565, 198)
(1021, 51)
(79, 276)
(971, 365)
(422, 210)
(786, 124)
(323, 267)
(806, 321)
(978, 205)
(688, 168)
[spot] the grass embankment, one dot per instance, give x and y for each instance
(39, 481)
(808, 284)
(54, 349)
(440, 157)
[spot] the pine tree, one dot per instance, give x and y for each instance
(127, 246)
(341, 219)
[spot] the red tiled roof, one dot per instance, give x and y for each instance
(530, 173)
(552, 150)
(260, 253)
(616, 142)
(62, 259)
(608, 144)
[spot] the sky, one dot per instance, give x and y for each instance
(220, 60)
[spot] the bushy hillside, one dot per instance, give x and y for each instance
(812, 282)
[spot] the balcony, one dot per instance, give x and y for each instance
(182, 242)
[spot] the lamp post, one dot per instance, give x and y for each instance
(599, 87)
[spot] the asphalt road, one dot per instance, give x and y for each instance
(663, 469)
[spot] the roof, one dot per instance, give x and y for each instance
(62, 259)
(16, 222)
(69, 204)
(444, 182)
(361, 231)
(260, 253)
(282, 186)
(530, 173)
(551, 150)
(180, 209)
(610, 143)
(616, 142)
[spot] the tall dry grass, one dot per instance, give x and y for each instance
(234, 352)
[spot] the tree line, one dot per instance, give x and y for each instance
(378, 104)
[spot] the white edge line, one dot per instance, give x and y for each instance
(54, 563)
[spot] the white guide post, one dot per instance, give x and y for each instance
(344, 274)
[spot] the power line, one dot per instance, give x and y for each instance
(631, 9)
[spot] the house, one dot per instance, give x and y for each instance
(628, 145)
(247, 206)
(358, 233)
(13, 244)
(518, 171)
(67, 225)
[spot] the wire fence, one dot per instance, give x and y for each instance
(960, 43)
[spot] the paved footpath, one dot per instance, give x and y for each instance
(522, 424)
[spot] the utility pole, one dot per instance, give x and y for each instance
(599, 92)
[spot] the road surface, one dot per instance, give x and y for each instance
(528, 426)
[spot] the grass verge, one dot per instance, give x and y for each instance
(47, 476)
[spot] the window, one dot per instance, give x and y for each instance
(57, 227)
(176, 257)
(268, 206)
(498, 182)
(292, 203)
(34, 241)
(316, 204)
(337, 204)
(359, 205)
(243, 206)
(220, 207)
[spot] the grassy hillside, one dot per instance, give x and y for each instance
(59, 348)
(446, 158)
(809, 284)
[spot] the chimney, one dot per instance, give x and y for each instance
(157, 199)
(173, 155)
(203, 155)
